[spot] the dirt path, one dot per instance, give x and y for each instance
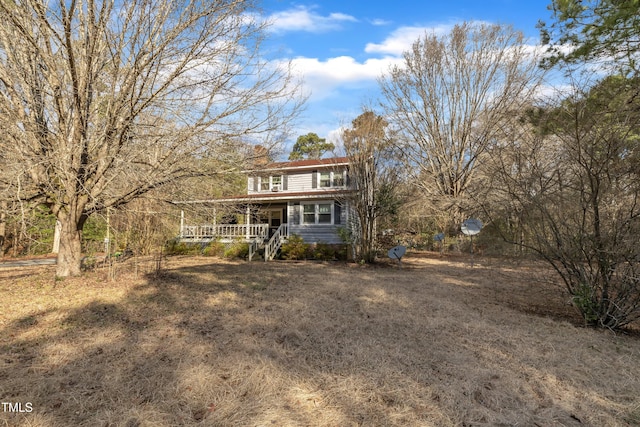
(12, 263)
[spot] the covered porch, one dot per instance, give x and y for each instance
(265, 229)
(258, 222)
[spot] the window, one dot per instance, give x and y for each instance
(317, 213)
(325, 179)
(309, 214)
(338, 179)
(268, 183)
(324, 213)
(330, 179)
(264, 184)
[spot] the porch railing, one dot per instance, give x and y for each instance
(224, 231)
(254, 245)
(271, 248)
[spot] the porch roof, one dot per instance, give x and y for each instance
(270, 197)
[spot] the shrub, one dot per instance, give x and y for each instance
(215, 249)
(295, 248)
(237, 250)
(175, 247)
(324, 252)
(341, 252)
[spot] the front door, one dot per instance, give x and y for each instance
(275, 219)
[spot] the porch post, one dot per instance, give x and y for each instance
(181, 224)
(248, 221)
(56, 238)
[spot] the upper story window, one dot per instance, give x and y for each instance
(265, 184)
(338, 179)
(325, 179)
(331, 179)
(270, 183)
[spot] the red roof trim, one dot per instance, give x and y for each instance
(272, 196)
(308, 163)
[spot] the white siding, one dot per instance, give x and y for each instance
(317, 233)
(296, 182)
(299, 182)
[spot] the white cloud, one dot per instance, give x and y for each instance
(340, 17)
(378, 22)
(302, 18)
(401, 39)
(323, 77)
(343, 68)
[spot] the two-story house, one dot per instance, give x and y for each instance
(305, 197)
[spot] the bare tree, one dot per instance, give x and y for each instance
(373, 173)
(102, 101)
(448, 100)
(575, 183)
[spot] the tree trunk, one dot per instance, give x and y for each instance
(69, 259)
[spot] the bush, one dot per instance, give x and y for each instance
(295, 248)
(341, 252)
(214, 249)
(174, 247)
(325, 252)
(237, 250)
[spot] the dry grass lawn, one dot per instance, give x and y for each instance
(219, 343)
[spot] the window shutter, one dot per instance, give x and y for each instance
(285, 182)
(296, 213)
(255, 183)
(314, 179)
(337, 213)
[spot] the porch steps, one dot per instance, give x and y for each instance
(275, 243)
(256, 248)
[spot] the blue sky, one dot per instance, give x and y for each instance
(340, 48)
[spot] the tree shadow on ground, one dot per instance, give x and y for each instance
(314, 344)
